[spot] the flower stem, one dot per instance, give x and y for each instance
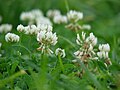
(43, 71)
(61, 63)
(66, 4)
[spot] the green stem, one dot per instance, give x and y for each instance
(61, 63)
(66, 4)
(43, 72)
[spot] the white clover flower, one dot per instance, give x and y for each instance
(11, 37)
(20, 28)
(87, 52)
(46, 39)
(60, 52)
(53, 13)
(58, 19)
(5, 28)
(87, 44)
(74, 16)
(43, 20)
(86, 27)
(44, 27)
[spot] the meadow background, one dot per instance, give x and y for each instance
(102, 15)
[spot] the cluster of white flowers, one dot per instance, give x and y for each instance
(104, 50)
(33, 29)
(60, 52)
(87, 51)
(87, 45)
(30, 29)
(35, 17)
(11, 37)
(4, 28)
(46, 38)
(74, 16)
(57, 17)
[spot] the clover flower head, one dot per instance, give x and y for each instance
(74, 16)
(11, 37)
(20, 28)
(5, 28)
(86, 50)
(60, 52)
(46, 39)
